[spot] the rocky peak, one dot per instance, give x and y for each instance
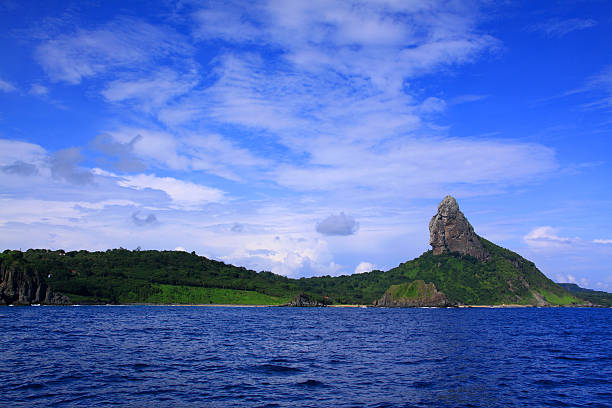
(450, 231)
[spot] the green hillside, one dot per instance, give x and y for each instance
(507, 278)
(123, 276)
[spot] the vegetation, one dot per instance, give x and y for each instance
(594, 296)
(411, 290)
(507, 278)
(170, 294)
(123, 276)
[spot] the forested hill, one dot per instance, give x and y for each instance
(123, 276)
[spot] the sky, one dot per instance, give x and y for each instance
(311, 137)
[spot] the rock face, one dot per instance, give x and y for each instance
(450, 231)
(23, 286)
(303, 300)
(413, 294)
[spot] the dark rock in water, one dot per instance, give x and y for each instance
(450, 231)
(303, 300)
(20, 285)
(413, 294)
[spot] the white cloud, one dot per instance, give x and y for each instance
(6, 86)
(364, 267)
(217, 155)
(160, 148)
(599, 88)
(289, 255)
(12, 151)
(39, 90)
(121, 43)
(569, 278)
(339, 96)
(182, 193)
(99, 205)
(208, 152)
(150, 93)
(416, 165)
(561, 27)
(603, 241)
(546, 236)
(325, 112)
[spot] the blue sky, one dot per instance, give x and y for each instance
(308, 138)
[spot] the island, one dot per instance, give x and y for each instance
(461, 269)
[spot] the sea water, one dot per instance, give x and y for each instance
(159, 356)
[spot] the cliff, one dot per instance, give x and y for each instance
(20, 284)
(303, 300)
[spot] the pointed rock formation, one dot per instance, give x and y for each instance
(450, 231)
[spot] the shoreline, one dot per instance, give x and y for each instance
(349, 306)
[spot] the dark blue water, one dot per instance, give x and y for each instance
(209, 356)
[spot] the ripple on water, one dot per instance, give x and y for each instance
(311, 383)
(275, 357)
(275, 369)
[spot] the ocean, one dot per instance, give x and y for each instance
(164, 356)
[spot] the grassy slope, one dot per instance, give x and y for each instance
(411, 290)
(171, 294)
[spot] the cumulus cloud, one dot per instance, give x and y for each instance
(184, 194)
(150, 219)
(20, 168)
(289, 255)
(569, 278)
(12, 151)
(364, 267)
(340, 224)
(64, 166)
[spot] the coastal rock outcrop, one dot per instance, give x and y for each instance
(450, 231)
(21, 285)
(303, 300)
(413, 294)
